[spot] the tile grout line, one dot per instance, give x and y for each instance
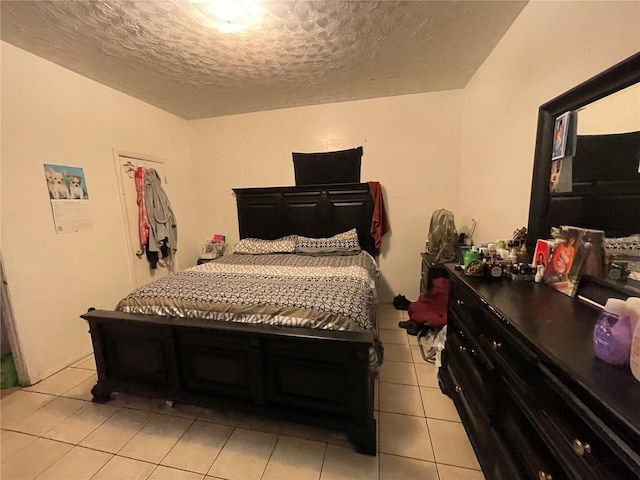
(378, 454)
(55, 425)
(29, 388)
(273, 449)
(94, 474)
(458, 466)
(221, 449)
(433, 450)
(324, 456)
(98, 426)
(176, 442)
(134, 436)
(431, 439)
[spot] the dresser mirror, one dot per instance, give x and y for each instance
(601, 182)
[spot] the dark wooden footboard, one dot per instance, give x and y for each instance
(316, 376)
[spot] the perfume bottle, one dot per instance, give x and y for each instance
(539, 274)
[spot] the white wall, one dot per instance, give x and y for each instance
(411, 146)
(550, 48)
(52, 115)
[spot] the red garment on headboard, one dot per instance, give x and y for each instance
(379, 222)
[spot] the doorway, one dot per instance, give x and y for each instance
(126, 164)
(11, 352)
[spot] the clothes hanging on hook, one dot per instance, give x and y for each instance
(163, 231)
(156, 257)
(143, 220)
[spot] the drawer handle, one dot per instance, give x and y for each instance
(496, 345)
(580, 448)
(460, 302)
(458, 388)
(542, 475)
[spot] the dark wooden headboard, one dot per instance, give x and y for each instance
(313, 211)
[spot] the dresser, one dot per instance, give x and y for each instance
(535, 401)
(429, 270)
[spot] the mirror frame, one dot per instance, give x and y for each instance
(614, 79)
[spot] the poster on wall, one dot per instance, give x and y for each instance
(69, 198)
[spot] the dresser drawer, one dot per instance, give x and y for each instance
(513, 359)
(467, 308)
(475, 418)
(587, 445)
(516, 426)
(478, 378)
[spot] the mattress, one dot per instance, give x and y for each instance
(288, 290)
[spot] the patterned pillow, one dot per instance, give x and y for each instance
(257, 246)
(345, 243)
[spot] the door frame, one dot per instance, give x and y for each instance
(117, 163)
(9, 323)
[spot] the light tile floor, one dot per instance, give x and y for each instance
(51, 430)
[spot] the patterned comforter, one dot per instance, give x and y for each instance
(329, 292)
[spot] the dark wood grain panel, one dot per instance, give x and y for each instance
(312, 211)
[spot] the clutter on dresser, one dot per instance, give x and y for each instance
(559, 262)
(491, 259)
(466, 239)
(522, 272)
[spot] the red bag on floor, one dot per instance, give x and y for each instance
(431, 309)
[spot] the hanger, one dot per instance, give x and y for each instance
(129, 169)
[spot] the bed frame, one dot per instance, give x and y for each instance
(308, 375)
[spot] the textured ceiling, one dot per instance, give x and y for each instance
(304, 53)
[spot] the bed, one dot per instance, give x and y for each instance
(277, 351)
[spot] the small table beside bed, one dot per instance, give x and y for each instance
(286, 325)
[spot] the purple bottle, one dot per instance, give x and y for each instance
(613, 334)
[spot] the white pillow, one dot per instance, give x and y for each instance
(258, 246)
(345, 243)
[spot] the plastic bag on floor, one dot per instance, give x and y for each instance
(438, 344)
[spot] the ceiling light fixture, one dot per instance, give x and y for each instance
(229, 16)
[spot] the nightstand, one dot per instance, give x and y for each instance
(429, 271)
